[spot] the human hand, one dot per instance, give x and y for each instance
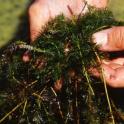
(111, 40)
(42, 11)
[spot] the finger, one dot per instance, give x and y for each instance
(119, 61)
(98, 3)
(38, 17)
(110, 39)
(26, 57)
(113, 74)
(112, 65)
(113, 77)
(41, 11)
(94, 71)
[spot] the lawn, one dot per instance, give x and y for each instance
(11, 10)
(117, 7)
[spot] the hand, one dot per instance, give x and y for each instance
(111, 40)
(42, 11)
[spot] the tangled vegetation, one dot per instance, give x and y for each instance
(61, 55)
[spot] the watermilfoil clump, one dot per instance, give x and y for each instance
(60, 57)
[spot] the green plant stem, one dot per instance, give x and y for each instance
(60, 111)
(84, 70)
(76, 104)
(106, 90)
(107, 96)
(9, 113)
(39, 97)
(32, 48)
(25, 104)
(32, 83)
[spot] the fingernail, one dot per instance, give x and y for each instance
(100, 38)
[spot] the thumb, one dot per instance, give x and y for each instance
(110, 39)
(98, 3)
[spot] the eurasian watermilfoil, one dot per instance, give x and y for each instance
(63, 52)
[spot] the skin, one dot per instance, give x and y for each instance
(42, 11)
(114, 69)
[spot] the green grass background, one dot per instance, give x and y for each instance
(117, 7)
(11, 10)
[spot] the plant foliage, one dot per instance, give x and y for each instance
(61, 55)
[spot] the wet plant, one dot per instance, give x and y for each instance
(55, 86)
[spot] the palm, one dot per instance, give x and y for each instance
(41, 11)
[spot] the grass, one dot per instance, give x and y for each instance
(10, 11)
(117, 7)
